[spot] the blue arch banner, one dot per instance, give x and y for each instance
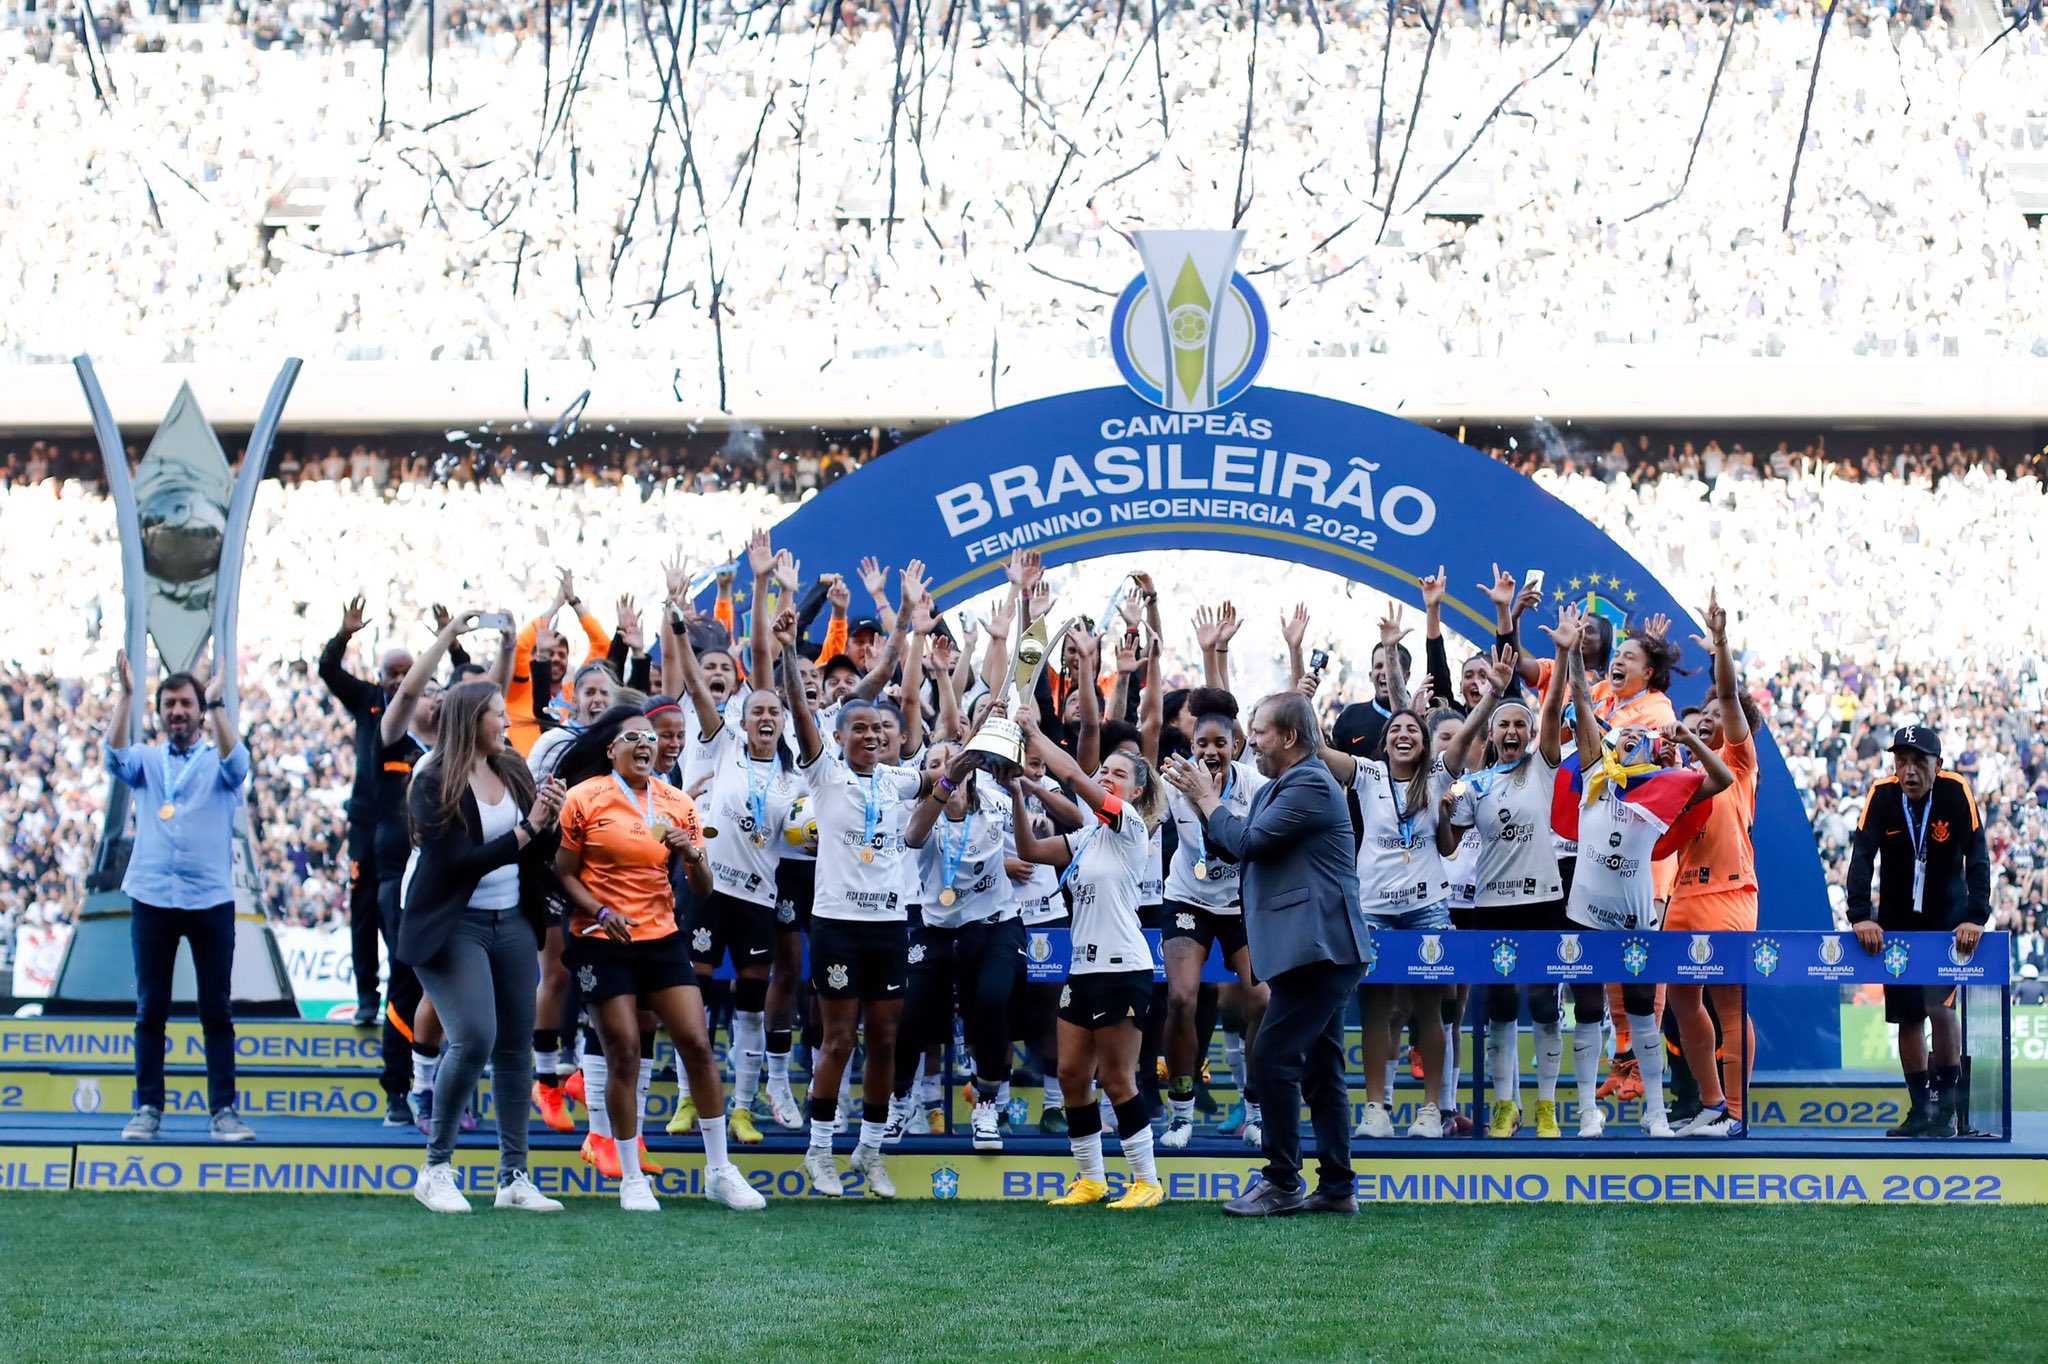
(1288, 476)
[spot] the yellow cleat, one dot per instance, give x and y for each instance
(685, 1119)
(1140, 1195)
(740, 1122)
(935, 1121)
(1505, 1119)
(1081, 1191)
(1546, 1119)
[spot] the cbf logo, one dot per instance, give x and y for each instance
(1831, 950)
(1764, 956)
(1189, 334)
(1039, 949)
(1432, 949)
(1569, 949)
(1702, 950)
(1896, 957)
(945, 1182)
(1635, 956)
(1504, 957)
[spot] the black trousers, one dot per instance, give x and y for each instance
(1299, 1053)
(155, 933)
(362, 911)
(402, 1000)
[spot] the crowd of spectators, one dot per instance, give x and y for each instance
(232, 195)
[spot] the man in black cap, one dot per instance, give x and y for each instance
(1921, 831)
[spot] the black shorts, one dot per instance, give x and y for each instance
(718, 923)
(796, 884)
(1204, 926)
(855, 959)
(1103, 999)
(1541, 916)
(1152, 917)
(607, 969)
(1908, 1004)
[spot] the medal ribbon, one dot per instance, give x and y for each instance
(173, 787)
(646, 811)
(757, 793)
(871, 812)
(950, 852)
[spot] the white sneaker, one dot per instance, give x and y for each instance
(518, 1194)
(1592, 1122)
(1375, 1123)
(823, 1173)
(867, 1162)
(987, 1127)
(1176, 1135)
(782, 1107)
(728, 1186)
(1254, 1135)
(1656, 1123)
(637, 1195)
(844, 1116)
(436, 1189)
(901, 1111)
(1429, 1122)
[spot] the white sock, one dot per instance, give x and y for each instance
(1138, 1151)
(1393, 1069)
(1183, 1110)
(1252, 1114)
(1088, 1155)
(846, 1086)
(682, 1080)
(871, 1133)
(821, 1134)
(1233, 1057)
(929, 1089)
(1053, 1097)
(629, 1160)
(714, 1142)
(595, 1074)
(546, 1063)
(1447, 1084)
(1586, 1062)
(1647, 1042)
(749, 1044)
(640, 1091)
(1003, 1095)
(424, 1070)
(1549, 1057)
(1502, 1058)
(778, 1070)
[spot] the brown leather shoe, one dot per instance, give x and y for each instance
(1340, 1201)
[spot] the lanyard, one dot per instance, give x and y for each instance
(1919, 835)
(1407, 821)
(951, 853)
(1074, 860)
(871, 812)
(175, 785)
(1201, 825)
(646, 811)
(1482, 781)
(757, 792)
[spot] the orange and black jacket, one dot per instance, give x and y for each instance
(1958, 888)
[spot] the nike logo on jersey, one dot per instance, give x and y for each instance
(894, 987)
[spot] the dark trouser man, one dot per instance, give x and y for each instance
(363, 918)
(155, 933)
(1299, 1053)
(403, 994)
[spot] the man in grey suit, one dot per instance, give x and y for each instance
(1309, 942)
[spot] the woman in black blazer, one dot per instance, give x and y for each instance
(471, 929)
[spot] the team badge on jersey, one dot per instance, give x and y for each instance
(945, 1182)
(1432, 949)
(1635, 956)
(1895, 957)
(835, 976)
(916, 953)
(1569, 949)
(700, 941)
(1066, 996)
(785, 911)
(1184, 922)
(1831, 950)
(1504, 957)
(1702, 950)
(587, 978)
(1764, 956)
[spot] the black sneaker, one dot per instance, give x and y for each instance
(1918, 1123)
(365, 1014)
(1053, 1122)
(398, 1112)
(1941, 1123)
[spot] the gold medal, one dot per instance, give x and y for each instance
(760, 839)
(1201, 871)
(1459, 788)
(867, 855)
(166, 810)
(1406, 856)
(661, 828)
(710, 832)
(947, 896)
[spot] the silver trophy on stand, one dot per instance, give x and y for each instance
(1000, 740)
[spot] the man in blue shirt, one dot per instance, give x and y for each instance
(187, 792)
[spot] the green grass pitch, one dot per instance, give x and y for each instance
(281, 1278)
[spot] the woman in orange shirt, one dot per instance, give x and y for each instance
(623, 834)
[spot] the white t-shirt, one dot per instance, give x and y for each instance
(1152, 882)
(1463, 866)
(852, 812)
(1109, 860)
(1399, 868)
(700, 756)
(1613, 887)
(1220, 892)
(548, 749)
(746, 797)
(1509, 812)
(499, 888)
(980, 842)
(1038, 900)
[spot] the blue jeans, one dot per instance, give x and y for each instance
(155, 932)
(1420, 919)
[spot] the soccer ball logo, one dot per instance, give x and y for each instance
(1895, 957)
(1504, 957)
(1635, 956)
(1764, 957)
(1189, 325)
(700, 941)
(945, 1182)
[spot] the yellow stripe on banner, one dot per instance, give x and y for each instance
(995, 567)
(1978, 1180)
(258, 1042)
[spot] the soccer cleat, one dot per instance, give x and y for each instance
(685, 1120)
(1546, 1119)
(1176, 1135)
(1141, 1194)
(637, 1195)
(228, 1126)
(468, 1120)
(935, 1121)
(397, 1112)
(987, 1128)
(1689, 1128)
(1415, 1062)
(145, 1125)
(782, 1106)
(423, 1110)
(1940, 1123)
(1504, 1119)
(1375, 1123)
(647, 1165)
(846, 1115)
(1082, 1190)
(1620, 1071)
(436, 1190)
(548, 1098)
(573, 1087)
(1252, 1135)
(867, 1162)
(1456, 1124)
(1592, 1122)
(824, 1175)
(518, 1194)
(740, 1122)
(1159, 1069)
(898, 1125)
(602, 1155)
(1657, 1123)
(1053, 1121)
(1429, 1122)
(729, 1188)
(1233, 1121)
(1719, 1123)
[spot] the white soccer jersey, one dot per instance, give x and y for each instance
(1219, 890)
(1613, 887)
(1109, 860)
(1037, 899)
(1509, 813)
(857, 813)
(974, 848)
(1399, 868)
(748, 803)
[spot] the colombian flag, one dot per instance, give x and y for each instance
(1660, 792)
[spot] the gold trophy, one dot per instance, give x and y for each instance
(1000, 739)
